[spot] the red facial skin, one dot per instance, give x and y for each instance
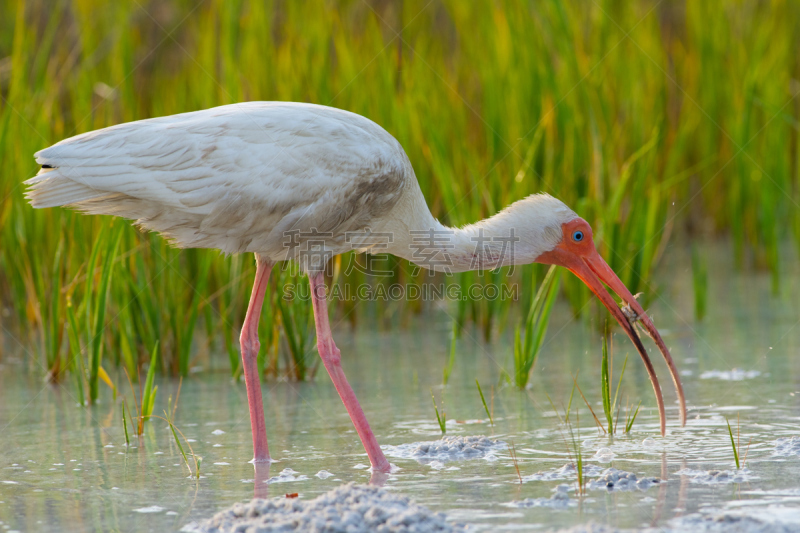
(582, 259)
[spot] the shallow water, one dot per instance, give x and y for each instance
(65, 468)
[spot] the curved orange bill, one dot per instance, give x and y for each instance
(594, 271)
(604, 272)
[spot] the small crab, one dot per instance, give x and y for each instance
(632, 316)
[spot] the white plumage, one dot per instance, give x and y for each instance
(233, 177)
(239, 177)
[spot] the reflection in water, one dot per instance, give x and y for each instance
(64, 467)
(683, 491)
(260, 485)
(378, 479)
(662, 491)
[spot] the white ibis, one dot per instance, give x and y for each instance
(283, 179)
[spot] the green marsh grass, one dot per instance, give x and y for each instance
(173, 406)
(297, 319)
(699, 283)
(441, 419)
(169, 417)
(95, 305)
(736, 444)
(125, 425)
(185, 319)
(567, 409)
(640, 119)
(76, 363)
(733, 444)
(90, 317)
(148, 394)
(527, 346)
(144, 410)
(138, 404)
(596, 420)
(609, 405)
(555, 409)
(569, 402)
(578, 454)
(483, 401)
(630, 419)
(574, 451)
(195, 458)
(573, 445)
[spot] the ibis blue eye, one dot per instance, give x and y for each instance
(577, 236)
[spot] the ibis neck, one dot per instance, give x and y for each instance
(488, 244)
(482, 246)
(516, 235)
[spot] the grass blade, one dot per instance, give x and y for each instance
(526, 351)
(605, 388)
(619, 385)
(733, 444)
(554, 407)
(441, 419)
(149, 392)
(699, 283)
(187, 333)
(486, 408)
(596, 420)
(629, 424)
(177, 441)
(100, 313)
(76, 358)
(107, 380)
(569, 403)
(125, 425)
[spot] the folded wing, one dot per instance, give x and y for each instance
(233, 177)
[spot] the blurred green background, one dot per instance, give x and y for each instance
(657, 121)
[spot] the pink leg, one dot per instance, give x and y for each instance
(331, 358)
(250, 345)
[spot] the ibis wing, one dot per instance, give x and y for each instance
(228, 177)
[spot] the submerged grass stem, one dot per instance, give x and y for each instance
(514, 460)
